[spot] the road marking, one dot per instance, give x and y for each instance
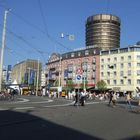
(20, 108)
(49, 106)
(23, 100)
(47, 101)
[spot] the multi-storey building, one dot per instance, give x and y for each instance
(103, 30)
(26, 72)
(120, 68)
(84, 63)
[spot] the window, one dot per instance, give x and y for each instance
(115, 66)
(122, 58)
(108, 59)
(129, 72)
(138, 72)
(138, 64)
(129, 82)
(79, 53)
(121, 73)
(129, 57)
(115, 73)
(102, 60)
(122, 65)
(129, 65)
(138, 57)
(138, 81)
(115, 58)
(72, 54)
(102, 74)
(115, 82)
(86, 52)
(121, 82)
(102, 67)
(70, 67)
(94, 60)
(108, 82)
(108, 73)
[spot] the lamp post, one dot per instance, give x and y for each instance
(37, 80)
(60, 69)
(2, 48)
(85, 74)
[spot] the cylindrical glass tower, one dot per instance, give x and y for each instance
(103, 31)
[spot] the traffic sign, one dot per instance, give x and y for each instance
(78, 77)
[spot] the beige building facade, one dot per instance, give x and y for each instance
(120, 68)
(26, 71)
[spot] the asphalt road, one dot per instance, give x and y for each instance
(61, 120)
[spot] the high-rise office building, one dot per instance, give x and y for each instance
(103, 31)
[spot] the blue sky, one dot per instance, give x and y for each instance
(34, 26)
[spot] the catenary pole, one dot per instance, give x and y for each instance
(2, 48)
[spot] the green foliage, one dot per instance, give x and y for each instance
(70, 84)
(101, 85)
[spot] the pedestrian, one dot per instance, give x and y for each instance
(82, 98)
(110, 97)
(76, 99)
(114, 99)
(138, 100)
(128, 100)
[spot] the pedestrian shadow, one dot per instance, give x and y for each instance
(16, 125)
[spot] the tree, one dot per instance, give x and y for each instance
(84, 83)
(70, 84)
(101, 85)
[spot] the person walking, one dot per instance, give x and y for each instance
(114, 99)
(76, 99)
(110, 97)
(82, 98)
(128, 100)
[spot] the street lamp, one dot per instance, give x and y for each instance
(85, 73)
(2, 48)
(60, 69)
(70, 36)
